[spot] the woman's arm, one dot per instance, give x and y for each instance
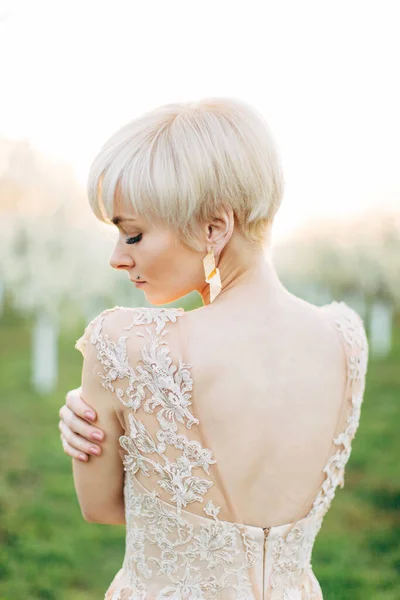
(99, 483)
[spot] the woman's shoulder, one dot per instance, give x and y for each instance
(350, 325)
(140, 315)
(343, 315)
(114, 321)
(340, 308)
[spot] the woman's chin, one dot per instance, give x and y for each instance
(156, 300)
(160, 300)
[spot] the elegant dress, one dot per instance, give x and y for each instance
(172, 552)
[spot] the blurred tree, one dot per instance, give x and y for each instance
(53, 254)
(355, 260)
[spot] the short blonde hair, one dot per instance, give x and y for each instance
(180, 162)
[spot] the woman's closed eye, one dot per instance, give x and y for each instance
(134, 240)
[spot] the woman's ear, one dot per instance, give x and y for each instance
(220, 229)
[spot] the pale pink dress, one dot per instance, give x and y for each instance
(176, 553)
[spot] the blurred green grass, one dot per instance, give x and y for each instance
(48, 552)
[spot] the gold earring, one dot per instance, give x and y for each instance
(212, 274)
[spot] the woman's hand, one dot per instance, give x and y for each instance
(77, 435)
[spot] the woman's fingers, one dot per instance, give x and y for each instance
(77, 434)
(72, 452)
(73, 415)
(75, 402)
(79, 426)
(77, 442)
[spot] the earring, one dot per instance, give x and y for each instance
(212, 274)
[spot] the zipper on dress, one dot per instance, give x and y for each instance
(266, 532)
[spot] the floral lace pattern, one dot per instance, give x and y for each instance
(350, 326)
(292, 554)
(161, 541)
(177, 555)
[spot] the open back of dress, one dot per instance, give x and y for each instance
(185, 536)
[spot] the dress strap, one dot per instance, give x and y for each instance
(351, 330)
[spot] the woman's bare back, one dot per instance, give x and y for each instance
(269, 384)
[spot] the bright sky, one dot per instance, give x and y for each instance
(324, 74)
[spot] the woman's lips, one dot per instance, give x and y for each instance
(138, 283)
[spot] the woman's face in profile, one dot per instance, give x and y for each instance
(154, 253)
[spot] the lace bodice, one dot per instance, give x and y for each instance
(171, 552)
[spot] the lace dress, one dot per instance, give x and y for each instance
(172, 553)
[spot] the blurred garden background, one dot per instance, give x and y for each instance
(324, 77)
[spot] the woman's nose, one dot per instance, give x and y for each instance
(120, 259)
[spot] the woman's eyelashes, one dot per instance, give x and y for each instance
(134, 240)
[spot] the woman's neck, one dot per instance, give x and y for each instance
(245, 273)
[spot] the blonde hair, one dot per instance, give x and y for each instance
(179, 163)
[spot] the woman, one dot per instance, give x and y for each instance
(227, 428)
